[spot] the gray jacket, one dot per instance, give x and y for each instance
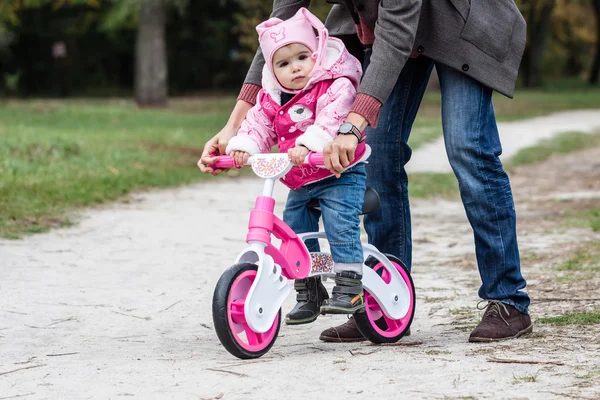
(483, 38)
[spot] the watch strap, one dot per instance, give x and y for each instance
(355, 131)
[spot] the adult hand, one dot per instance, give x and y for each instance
(338, 154)
(218, 143)
(215, 146)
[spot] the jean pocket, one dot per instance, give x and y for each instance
(490, 26)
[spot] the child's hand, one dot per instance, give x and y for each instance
(240, 158)
(298, 154)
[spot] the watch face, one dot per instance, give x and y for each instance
(346, 128)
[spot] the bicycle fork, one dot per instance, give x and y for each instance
(275, 266)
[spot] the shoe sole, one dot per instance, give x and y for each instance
(338, 310)
(301, 321)
(331, 339)
(529, 329)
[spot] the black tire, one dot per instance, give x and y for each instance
(220, 314)
(362, 320)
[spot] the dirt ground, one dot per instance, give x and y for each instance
(120, 305)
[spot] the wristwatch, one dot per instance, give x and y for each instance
(348, 128)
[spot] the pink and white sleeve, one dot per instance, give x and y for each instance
(256, 135)
(332, 110)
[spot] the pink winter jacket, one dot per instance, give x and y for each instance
(311, 118)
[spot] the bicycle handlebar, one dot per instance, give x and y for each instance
(226, 162)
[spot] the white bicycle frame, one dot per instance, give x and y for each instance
(270, 287)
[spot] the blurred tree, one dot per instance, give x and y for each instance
(151, 73)
(17, 26)
(151, 64)
(538, 14)
(251, 13)
(9, 11)
(595, 71)
(96, 48)
(572, 38)
(204, 47)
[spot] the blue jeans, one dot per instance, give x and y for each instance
(473, 148)
(341, 201)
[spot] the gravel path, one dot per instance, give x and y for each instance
(120, 306)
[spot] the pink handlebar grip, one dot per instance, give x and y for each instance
(223, 162)
(315, 159)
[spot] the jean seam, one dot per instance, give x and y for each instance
(346, 257)
(397, 160)
(488, 188)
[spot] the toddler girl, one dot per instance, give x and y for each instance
(309, 84)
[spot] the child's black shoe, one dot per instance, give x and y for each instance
(347, 296)
(310, 294)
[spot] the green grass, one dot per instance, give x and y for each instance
(572, 319)
(425, 129)
(444, 185)
(557, 96)
(585, 258)
(595, 222)
(57, 156)
(427, 185)
(437, 352)
(564, 143)
(525, 378)
(565, 94)
(587, 218)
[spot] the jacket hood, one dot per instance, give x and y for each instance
(337, 63)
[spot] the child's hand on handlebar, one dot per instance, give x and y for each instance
(298, 154)
(240, 158)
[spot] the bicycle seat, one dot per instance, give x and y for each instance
(370, 204)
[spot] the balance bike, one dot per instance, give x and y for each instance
(248, 296)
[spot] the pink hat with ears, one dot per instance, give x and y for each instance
(275, 33)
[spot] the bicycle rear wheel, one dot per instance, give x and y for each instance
(373, 323)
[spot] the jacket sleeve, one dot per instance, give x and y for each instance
(395, 32)
(256, 135)
(282, 9)
(331, 111)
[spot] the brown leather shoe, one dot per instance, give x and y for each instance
(345, 333)
(501, 322)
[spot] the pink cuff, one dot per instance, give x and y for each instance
(249, 92)
(368, 107)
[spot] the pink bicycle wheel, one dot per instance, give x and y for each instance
(373, 323)
(228, 314)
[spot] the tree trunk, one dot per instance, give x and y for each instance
(596, 65)
(151, 74)
(538, 29)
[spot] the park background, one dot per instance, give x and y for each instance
(102, 102)
(99, 98)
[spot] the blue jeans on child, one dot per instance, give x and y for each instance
(341, 201)
(473, 148)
